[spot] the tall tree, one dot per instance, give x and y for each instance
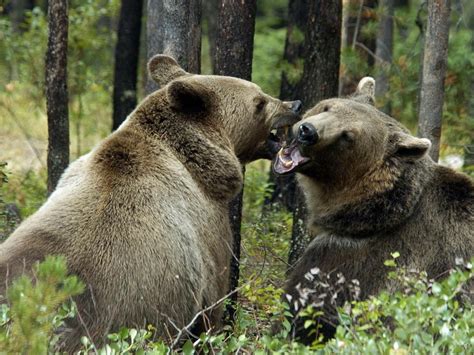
(17, 10)
(435, 59)
(384, 50)
(469, 148)
(293, 57)
(233, 57)
(56, 91)
(211, 8)
(358, 14)
(126, 60)
(174, 28)
(319, 81)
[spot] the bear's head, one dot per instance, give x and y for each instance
(345, 140)
(246, 114)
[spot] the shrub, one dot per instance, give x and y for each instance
(37, 309)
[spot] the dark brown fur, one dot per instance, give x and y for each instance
(374, 194)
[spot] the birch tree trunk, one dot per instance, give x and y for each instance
(233, 57)
(434, 69)
(174, 29)
(126, 61)
(56, 91)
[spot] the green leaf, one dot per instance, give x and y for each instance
(188, 348)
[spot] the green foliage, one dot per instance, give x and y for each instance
(267, 63)
(36, 310)
(422, 316)
(28, 192)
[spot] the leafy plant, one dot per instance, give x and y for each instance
(37, 309)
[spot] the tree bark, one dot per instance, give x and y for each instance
(211, 8)
(384, 52)
(233, 57)
(319, 81)
(56, 91)
(434, 69)
(469, 148)
(174, 29)
(126, 61)
(401, 3)
(357, 15)
(17, 10)
(293, 56)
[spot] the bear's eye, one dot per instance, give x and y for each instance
(348, 136)
(326, 108)
(260, 105)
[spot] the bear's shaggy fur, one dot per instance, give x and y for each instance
(143, 218)
(371, 190)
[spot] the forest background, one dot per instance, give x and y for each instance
(266, 234)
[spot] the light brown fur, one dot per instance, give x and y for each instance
(142, 219)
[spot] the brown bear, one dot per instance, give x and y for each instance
(371, 190)
(143, 218)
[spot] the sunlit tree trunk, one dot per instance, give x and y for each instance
(126, 60)
(174, 28)
(233, 57)
(56, 91)
(434, 69)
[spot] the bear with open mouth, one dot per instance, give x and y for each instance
(143, 218)
(371, 190)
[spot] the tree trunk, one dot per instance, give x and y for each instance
(174, 29)
(126, 61)
(357, 15)
(233, 57)
(319, 81)
(434, 69)
(284, 186)
(401, 3)
(56, 91)
(383, 52)
(469, 148)
(17, 9)
(211, 8)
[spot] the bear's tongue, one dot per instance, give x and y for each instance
(287, 159)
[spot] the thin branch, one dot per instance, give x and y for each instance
(356, 31)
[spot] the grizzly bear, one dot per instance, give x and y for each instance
(143, 218)
(370, 190)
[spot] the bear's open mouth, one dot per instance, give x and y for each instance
(288, 159)
(288, 156)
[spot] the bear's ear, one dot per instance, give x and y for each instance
(163, 69)
(365, 91)
(407, 146)
(188, 97)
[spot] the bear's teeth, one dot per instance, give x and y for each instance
(287, 163)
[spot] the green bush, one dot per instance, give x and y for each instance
(423, 316)
(37, 309)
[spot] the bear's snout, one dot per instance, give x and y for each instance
(307, 134)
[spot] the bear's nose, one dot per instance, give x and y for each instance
(307, 134)
(296, 106)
